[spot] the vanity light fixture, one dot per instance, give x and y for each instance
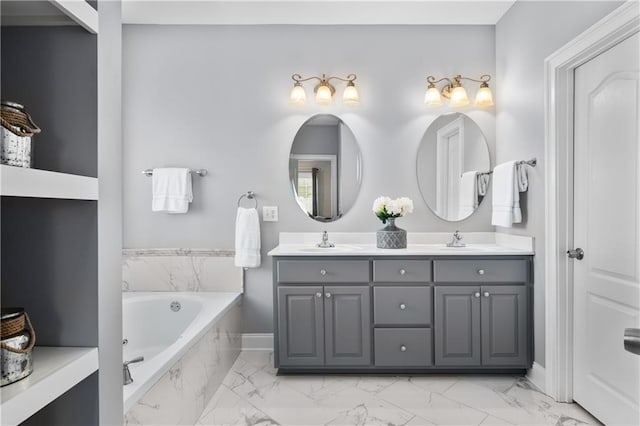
(324, 90)
(456, 93)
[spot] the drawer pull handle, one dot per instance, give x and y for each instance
(403, 348)
(318, 294)
(328, 295)
(480, 271)
(323, 272)
(403, 306)
(402, 272)
(476, 294)
(486, 294)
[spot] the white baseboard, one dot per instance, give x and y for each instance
(257, 342)
(537, 377)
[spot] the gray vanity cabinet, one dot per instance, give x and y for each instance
(481, 325)
(301, 325)
(324, 325)
(457, 325)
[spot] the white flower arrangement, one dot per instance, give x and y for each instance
(385, 208)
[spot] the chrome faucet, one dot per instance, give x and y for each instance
(325, 241)
(126, 374)
(455, 241)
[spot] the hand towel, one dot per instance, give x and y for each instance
(247, 238)
(483, 184)
(171, 190)
(468, 194)
(509, 179)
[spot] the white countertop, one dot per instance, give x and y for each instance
(420, 244)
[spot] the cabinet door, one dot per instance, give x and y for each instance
(504, 325)
(300, 326)
(457, 325)
(347, 318)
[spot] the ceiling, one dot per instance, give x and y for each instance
(314, 12)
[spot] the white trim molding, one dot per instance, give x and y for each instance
(257, 341)
(537, 376)
(559, 70)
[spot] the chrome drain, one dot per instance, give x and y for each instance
(175, 306)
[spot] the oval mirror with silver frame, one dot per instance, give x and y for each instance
(453, 166)
(325, 168)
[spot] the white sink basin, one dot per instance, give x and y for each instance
(336, 249)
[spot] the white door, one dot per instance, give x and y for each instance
(449, 167)
(606, 378)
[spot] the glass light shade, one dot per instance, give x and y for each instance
(323, 95)
(298, 95)
(459, 97)
(350, 95)
(432, 97)
(484, 97)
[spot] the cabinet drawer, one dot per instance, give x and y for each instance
(398, 305)
(405, 347)
(401, 271)
(494, 271)
(323, 271)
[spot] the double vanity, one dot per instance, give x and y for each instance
(356, 308)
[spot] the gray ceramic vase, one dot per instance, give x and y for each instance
(391, 237)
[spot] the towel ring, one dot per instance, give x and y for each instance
(251, 196)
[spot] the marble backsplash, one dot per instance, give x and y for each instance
(180, 270)
(181, 394)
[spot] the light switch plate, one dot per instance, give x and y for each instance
(270, 213)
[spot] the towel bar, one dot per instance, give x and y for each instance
(533, 162)
(199, 172)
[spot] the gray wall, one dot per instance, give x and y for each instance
(525, 36)
(216, 97)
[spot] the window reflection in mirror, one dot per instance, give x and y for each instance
(452, 166)
(325, 168)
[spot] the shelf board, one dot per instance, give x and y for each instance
(34, 183)
(55, 371)
(50, 12)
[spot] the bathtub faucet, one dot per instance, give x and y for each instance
(126, 374)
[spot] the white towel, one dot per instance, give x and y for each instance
(468, 194)
(171, 190)
(247, 238)
(509, 179)
(483, 184)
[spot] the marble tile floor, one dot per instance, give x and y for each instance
(252, 394)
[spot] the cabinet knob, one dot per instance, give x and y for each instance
(476, 294)
(323, 272)
(328, 295)
(318, 294)
(403, 306)
(402, 272)
(485, 294)
(480, 271)
(403, 348)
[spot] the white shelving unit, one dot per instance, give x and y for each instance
(57, 370)
(51, 12)
(62, 365)
(34, 183)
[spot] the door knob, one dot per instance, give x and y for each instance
(402, 272)
(403, 306)
(480, 271)
(632, 340)
(485, 294)
(323, 272)
(577, 253)
(476, 294)
(403, 348)
(318, 294)
(328, 295)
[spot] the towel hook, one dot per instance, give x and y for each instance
(251, 196)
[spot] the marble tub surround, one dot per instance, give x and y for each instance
(419, 243)
(252, 394)
(180, 395)
(180, 270)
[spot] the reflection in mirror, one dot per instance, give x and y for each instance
(452, 166)
(325, 168)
